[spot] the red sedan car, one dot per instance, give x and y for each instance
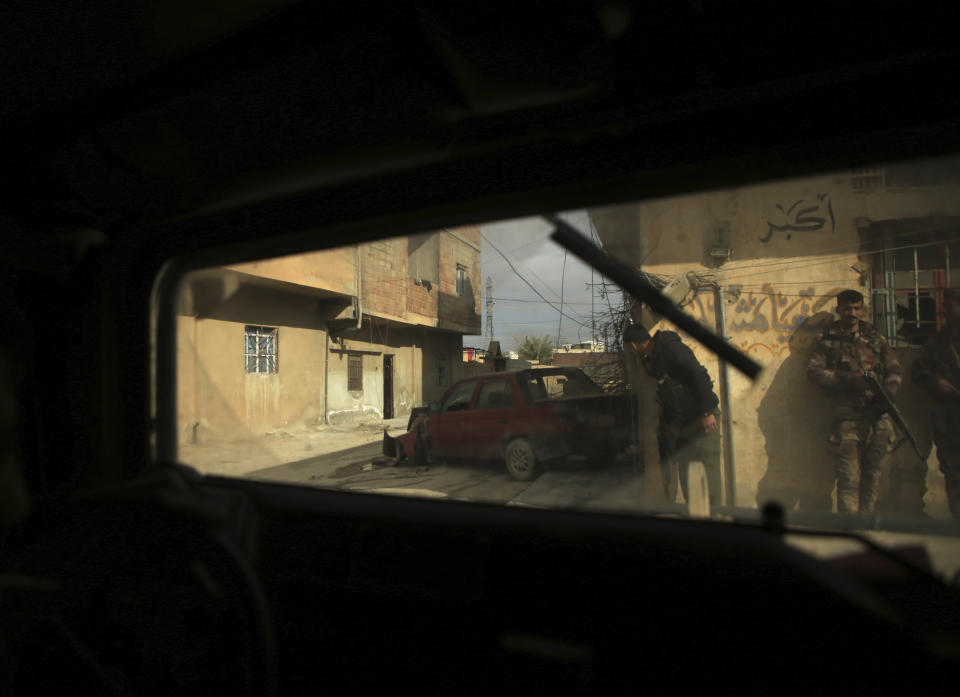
(524, 418)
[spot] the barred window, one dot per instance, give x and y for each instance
(911, 275)
(355, 372)
(867, 180)
(260, 347)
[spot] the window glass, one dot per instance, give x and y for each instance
(495, 394)
(556, 384)
(260, 349)
(423, 258)
(355, 372)
(461, 280)
(613, 423)
(459, 397)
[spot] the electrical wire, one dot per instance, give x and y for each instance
(530, 285)
(537, 321)
(528, 268)
(531, 300)
(604, 294)
(796, 265)
(731, 276)
(823, 259)
(837, 251)
(539, 240)
(578, 314)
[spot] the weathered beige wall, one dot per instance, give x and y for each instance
(386, 290)
(334, 269)
(680, 229)
(455, 313)
(218, 399)
(348, 405)
(402, 344)
(220, 388)
(187, 410)
(441, 345)
(781, 286)
(301, 372)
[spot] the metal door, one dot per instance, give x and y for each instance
(388, 387)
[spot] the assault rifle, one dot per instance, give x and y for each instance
(891, 409)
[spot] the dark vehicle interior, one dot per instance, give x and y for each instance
(145, 139)
(566, 383)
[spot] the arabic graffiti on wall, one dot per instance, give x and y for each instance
(765, 310)
(776, 316)
(801, 218)
(770, 311)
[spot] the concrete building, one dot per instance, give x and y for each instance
(581, 347)
(780, 252)
(474, 354)
(364, 332)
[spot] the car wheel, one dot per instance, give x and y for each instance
(520, 459)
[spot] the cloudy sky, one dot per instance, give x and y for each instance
(518, 311)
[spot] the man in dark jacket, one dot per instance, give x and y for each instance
(687, 431)
(938, 372)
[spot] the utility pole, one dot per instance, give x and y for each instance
(593, 313)
(489, 309)
(562, 275)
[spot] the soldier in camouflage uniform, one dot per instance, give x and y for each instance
(938, 371)
(863, 433)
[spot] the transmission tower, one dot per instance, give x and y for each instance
(489, 309)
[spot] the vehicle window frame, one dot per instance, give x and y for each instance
(453, 390)
(493, 381)
(166, 358)
(524, 382)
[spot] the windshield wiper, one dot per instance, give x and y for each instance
(644, 291)
(773, 519)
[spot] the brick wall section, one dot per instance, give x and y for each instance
(384, 277)
(461, 246)
(579, 360)
(388, 290)
(422, 301)
(605, 369)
